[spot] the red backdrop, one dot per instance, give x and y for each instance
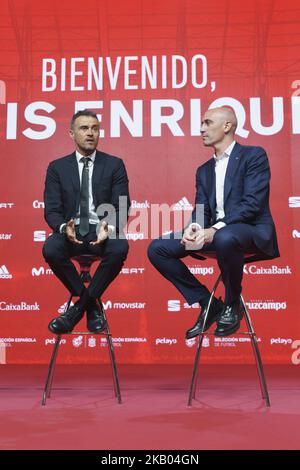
(244, 55)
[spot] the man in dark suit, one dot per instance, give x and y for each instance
(81, 190)
(232, 188)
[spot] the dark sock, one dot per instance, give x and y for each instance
(84, 300)
(204, 302)
(92, 302)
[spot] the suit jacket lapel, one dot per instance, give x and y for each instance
(74, 176)
(97, 175)
(233, 164)
(211, 182)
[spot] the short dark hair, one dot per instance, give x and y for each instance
(83, 112)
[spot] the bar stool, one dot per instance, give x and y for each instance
(85, 263)
(259, 366)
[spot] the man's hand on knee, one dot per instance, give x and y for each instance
(71, 233)
(102, 235)
(192, 237)
(209, 234)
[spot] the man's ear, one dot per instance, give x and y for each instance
(227, 127)
(71, 134)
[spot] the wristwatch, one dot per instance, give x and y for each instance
(63, 230)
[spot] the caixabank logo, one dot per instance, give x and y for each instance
(140, 205)
(269, 271)
(22, 306)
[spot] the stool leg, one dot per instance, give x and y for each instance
(195, 371)
(258, 361)
(48, 385)
(193, 385)
(112, 359)
(49, 380)
(210, 299)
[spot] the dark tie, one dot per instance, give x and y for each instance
(84, 198)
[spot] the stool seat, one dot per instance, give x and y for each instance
(82, 259)
(85, 263)
(248, 257)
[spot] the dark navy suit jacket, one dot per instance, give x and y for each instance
(62, 188)
(246, 195)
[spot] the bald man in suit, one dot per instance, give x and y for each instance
(233, 189)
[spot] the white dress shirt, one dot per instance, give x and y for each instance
(220, 170)
(93, 217)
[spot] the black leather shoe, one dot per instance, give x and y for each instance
(96, 322)
(66, 321)
(230, 319)
(213, 315)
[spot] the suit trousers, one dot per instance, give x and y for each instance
(58, 250)
(230, 245)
